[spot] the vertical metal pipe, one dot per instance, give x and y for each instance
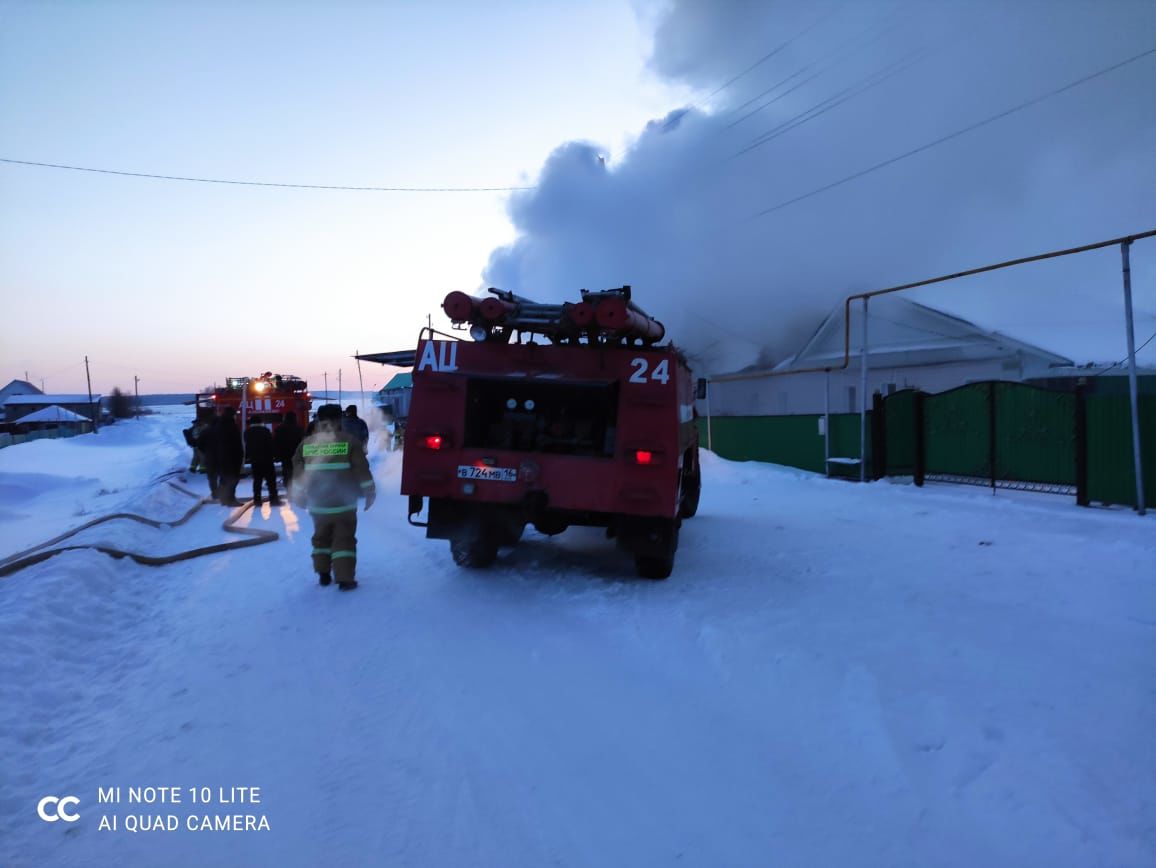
(709, 442)
(1081, 439)
(863, 401)
(992, 405)
(1132, 389)
(827, 421)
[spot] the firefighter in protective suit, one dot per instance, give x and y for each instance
(330, 472)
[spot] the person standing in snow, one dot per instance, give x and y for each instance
(207, 445)
(286, 439)
(355, 426)
(191, 438)
(330, 472)
(230, 457)
(259, 451)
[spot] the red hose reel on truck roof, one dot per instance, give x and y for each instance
(600, 317)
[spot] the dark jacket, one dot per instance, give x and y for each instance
(330, 471)
(230, 452)
(206, 441)
(286, 439)
(259, 445)
(355, 426)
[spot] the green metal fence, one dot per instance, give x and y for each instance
(795, 441)
(993, 433)
(1111, 473)
(899, 437)
(44, 434)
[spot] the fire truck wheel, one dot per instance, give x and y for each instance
(691, 491)
(550, 527)
(654, 568)
(476, 552)
(659, 566)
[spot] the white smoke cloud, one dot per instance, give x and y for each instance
(845, 86)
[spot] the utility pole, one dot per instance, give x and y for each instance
(360, 382)
(863, 401)
(1132, 398)
(339, 385)
(136, 393)
(96, 415)
(326, 376)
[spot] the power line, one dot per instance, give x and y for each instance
(838, 53)
(928, 146)
(1117, 364)
(781, 47)
(834, 101)
(266, 183)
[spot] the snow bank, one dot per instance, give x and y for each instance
(49, 486)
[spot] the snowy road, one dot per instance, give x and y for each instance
(834, 675)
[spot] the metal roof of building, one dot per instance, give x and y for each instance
(37, 400)
(53, 414)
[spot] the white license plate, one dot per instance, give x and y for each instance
(498, 474)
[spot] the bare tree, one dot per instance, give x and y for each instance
(120, 404)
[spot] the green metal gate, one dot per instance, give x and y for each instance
(1035, 436)
(1001, 434)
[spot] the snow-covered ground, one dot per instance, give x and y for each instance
(834, 675)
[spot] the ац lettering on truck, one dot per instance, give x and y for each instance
(552, 416)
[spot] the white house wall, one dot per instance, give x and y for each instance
(801, 394)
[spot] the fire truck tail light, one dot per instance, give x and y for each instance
(434, 441)
(643, 456)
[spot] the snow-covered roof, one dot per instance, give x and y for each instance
(53, 414)
(38, 399)
(18, 387)
(1096, 369)
(904, 332)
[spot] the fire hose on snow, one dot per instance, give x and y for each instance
(52, 547)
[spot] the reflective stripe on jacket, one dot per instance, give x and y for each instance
(331, 471)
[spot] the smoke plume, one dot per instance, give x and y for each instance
(796, 96)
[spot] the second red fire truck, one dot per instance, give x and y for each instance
(268, 397)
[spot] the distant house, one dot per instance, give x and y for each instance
(55, 418)
(18, 387)
(910, 346)
(393, 397)
(44, 422)
(17, 406)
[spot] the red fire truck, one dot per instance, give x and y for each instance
(552, 415)
(268, 397)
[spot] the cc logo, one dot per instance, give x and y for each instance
(53, 808)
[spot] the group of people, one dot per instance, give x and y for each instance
(220, 449)
(328, 460)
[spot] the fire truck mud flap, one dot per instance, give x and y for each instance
(652, 541)
(475, 534)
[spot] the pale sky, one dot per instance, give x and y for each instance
(184, 284)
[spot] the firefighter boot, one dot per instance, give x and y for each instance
(324, 579)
